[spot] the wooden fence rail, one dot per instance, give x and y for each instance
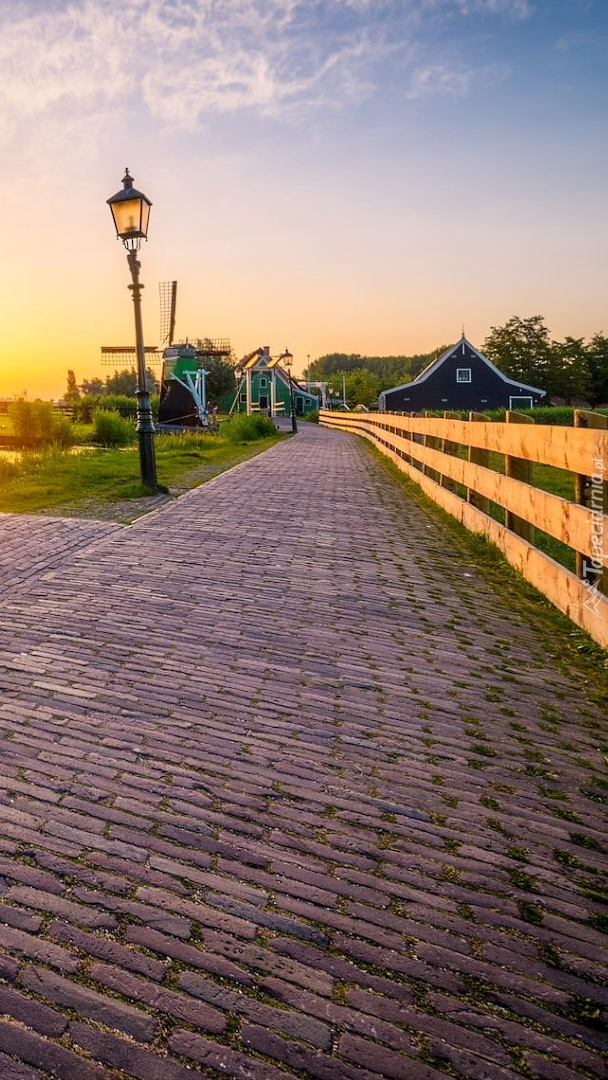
(425, 449)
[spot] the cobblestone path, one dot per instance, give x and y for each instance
(289, 791)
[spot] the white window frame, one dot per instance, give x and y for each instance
(463, 371)
(519, 398)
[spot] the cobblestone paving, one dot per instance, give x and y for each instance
(288, 791)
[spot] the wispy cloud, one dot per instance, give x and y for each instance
(187, 59)
(513, 9)
(581, 39)
(452, 80)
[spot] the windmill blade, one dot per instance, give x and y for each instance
(168, 304)
(127, 354)
(213, 347)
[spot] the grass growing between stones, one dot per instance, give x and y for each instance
(571, 648)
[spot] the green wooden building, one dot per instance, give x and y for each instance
(265, 386)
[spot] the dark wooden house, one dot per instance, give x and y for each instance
(462, 378)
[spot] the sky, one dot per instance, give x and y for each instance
(365, 176)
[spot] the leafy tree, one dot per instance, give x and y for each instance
(220, 377)
(125, 382)
(522, 350)
(332, 364)
(122, 382)
(569, 373)
(92, 387)
(390, 370)
(362, 387)
(72, 392)
(597, 367)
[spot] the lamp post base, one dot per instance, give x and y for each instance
(145, 434)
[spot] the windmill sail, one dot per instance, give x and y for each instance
(127, 354)
(168, 304)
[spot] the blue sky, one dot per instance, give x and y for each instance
(343, 175)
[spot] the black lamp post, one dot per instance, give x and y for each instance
(131, 212)
(287, 359)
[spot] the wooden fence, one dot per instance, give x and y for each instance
(450, 459)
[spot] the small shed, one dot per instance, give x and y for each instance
(462, 378)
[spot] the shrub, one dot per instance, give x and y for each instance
(122, 404)
(84, 408)
(241, 428)
(8, 469)
(111, 429)
(312, 416)
(63, 431)
(35, 423)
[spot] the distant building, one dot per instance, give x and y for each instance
(265, 387)
(462, 378)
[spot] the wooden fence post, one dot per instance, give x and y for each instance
(477, 456)
(449, 447)
(592, 491)
(408, 437)
(519, 469)
(421, 440)
(435, 444)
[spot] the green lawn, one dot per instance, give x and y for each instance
(46, 481)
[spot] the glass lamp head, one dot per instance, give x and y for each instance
(131, 213)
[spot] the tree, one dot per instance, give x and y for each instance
(72, 391)
(93, 387)
(362, 387)
(332, 364)
(390, 370)
(597, 366)
(220, 377)
(569, 375)
(125, 382)
(522, 350)
(122, 382)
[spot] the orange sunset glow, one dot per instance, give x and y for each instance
(354, 177)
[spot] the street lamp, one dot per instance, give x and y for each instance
(287, 359)
(131, 212)
(238, 374)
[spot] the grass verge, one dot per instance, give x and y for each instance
(48, 481)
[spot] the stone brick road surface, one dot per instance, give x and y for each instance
(289, 791)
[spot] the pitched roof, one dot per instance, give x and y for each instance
(439, 360)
